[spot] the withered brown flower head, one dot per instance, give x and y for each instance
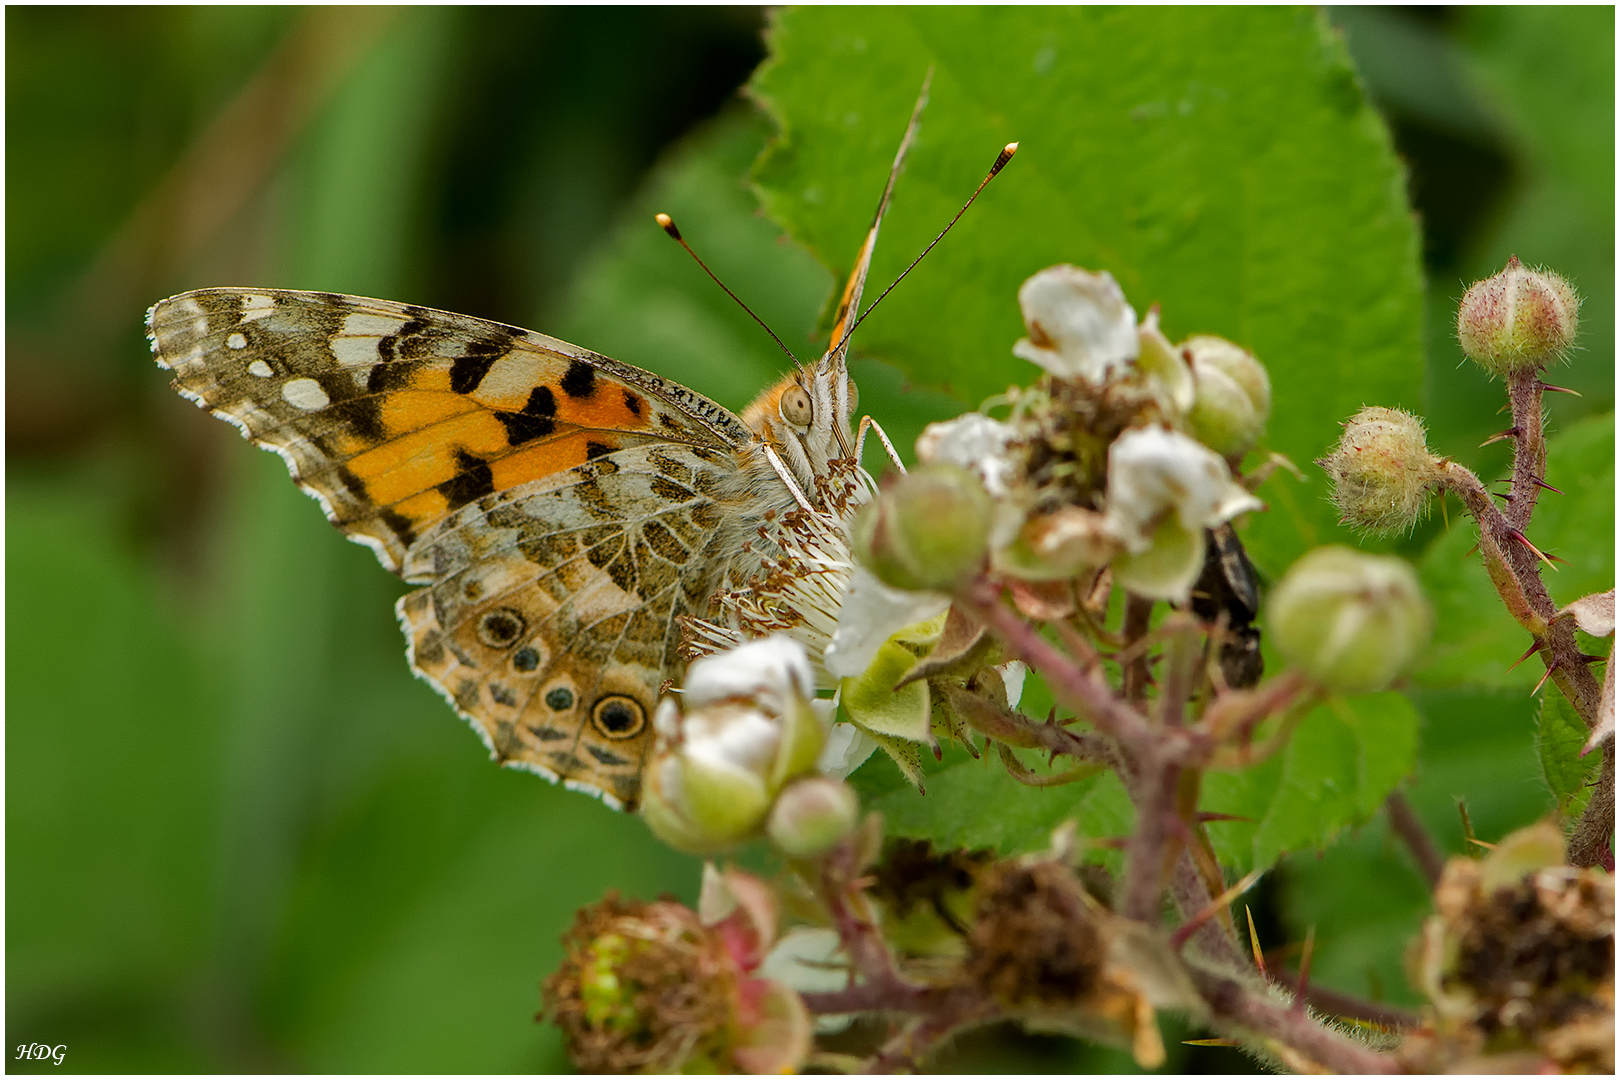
(1534, 952)
(1036, 938)
(1066, 432)
(642, 988)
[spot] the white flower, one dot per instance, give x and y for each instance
(1154, 470)
(846, 750)
(871, 612)
(976, 443)
(771, 670)
(1079, 323)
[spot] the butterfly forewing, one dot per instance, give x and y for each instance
(394, 416)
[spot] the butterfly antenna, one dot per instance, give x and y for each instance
(667, 223)
(1002, 158)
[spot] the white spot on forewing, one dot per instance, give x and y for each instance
(236, 341)
(510, 380)
(355, 345)
(305, 394)
(261, 369)
(256, 306)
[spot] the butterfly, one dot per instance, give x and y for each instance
(562, 511)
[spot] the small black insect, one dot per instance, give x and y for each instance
(1229, 585)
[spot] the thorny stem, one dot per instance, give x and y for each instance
(1324, 1000)
(1529, 446)
(1404, 820)
(1517, 577)
(1151, 842)
(1231, 1002)
(1086, 694)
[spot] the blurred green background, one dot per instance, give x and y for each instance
(239, 836)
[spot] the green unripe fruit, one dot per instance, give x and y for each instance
(1352, 622)
(1518, 320)
(928, 529)
(812, 815)
(1382, 470)
(1232, 398)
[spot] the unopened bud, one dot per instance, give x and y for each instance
(1059, 545)
(1232, 395)
(749, 728)
(1350, 621)
(928, 529)
(1518, 319)
(1382, 470)
(812, 815)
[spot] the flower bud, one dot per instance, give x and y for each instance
(749, 728)
(928, 529)
(1382, 470)
(1058, 546)
(1232, 398)
(1166, 369)
(812, 815)
(1350, 621)
(1517, 320)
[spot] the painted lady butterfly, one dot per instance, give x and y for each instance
(563, 510)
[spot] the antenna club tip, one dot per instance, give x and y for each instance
(1010, 149)
(667, 223)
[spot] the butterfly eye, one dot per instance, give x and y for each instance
(795, 406)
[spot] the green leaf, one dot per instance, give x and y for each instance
(1220, 163)
(1560, 735)
(1342, 760)
(975, 804)
(1475, 639)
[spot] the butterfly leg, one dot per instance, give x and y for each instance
(787, 478)
(860, 443)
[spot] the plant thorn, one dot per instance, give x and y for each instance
(1510, 433)
(1539, 482)
(1535, 647)
(1561, 389)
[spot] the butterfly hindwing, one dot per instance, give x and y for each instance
(553, 614)
(395, 416)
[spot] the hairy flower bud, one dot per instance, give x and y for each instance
(928, 529)
(1350, 621)
(748, 729)
(1382, 470)
(1518, 319)
(1233, 395)
(812, 815)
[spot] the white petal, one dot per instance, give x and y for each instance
(846, 750)
(1153, 470)
(770, 670)
(975, 442)
(1167, 372)
(872, 611)
(1079, 323)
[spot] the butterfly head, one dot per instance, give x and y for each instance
(806, 416)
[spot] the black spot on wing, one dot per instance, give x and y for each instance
(400, 524)
(535, 421)
(385, 377)
(466, 372)
(580, 381)
(473, 480)
(607, 757)
(632, 403)
(595, 450)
